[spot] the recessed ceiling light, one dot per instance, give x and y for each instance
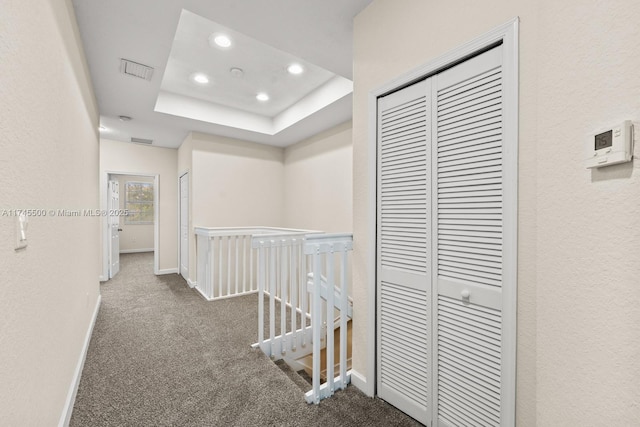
(220, 40)
(262, 97)
(102, 128)
(295, 69)
(124, 118)
(200, 78)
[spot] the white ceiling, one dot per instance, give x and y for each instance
(267, 35)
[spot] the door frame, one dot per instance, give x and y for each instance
(507, 34)
(104, 206)
(110, 184)
(188, 278)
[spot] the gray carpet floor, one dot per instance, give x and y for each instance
(161, 355)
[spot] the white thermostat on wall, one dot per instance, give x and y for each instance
(611, 146)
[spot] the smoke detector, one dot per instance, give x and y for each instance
(237, 72)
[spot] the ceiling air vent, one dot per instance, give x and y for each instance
(142, 141)
(135, 69)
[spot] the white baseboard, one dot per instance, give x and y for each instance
(102, 278)
(203, 295)
(191, 283)
(167, 271)
(73, 390)
(135, 251)
(360, 381)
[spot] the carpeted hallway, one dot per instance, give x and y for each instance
(161, 355)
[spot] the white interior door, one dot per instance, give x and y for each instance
(404, 250)
(114, 228)
(446, 248)
(468, 234)
(184, 225)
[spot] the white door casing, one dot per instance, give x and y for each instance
(114, 228)
(446, 329)
(184, 226)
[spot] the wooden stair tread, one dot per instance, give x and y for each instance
(307, 361)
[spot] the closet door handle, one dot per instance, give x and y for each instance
(465, 294)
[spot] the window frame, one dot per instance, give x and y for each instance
(128, 203)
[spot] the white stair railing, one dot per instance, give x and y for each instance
(324, 249)
(282, 269)
(226, 264)
(303, 271)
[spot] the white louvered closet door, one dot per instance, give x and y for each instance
(468, 242)
(404, 250)
(446, 248)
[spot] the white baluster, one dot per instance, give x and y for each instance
(330, 311)
(304, 295)
(316, 325)
(344, 302)
(228, 265)
(219, 266)
(251, 282)
(294, 293)
(261, 286)
(207, 281)
(244, 264)
(272, 296)
(235, 260)
(283, 294)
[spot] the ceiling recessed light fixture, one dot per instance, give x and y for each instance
(295, 69)
(220, 40)
(101, 128)
(200, 78)
(262, 97)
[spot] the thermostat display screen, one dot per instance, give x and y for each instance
(604, 140)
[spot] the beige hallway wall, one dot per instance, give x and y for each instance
(48, 161)
(318, 182)
(236, 183)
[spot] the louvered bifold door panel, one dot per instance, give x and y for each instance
(468, 240)
(404, 250)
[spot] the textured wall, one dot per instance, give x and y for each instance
(588, 255)
(236, 183)
(578, 294)
(48, 160)
(318, 182)
(124, 157)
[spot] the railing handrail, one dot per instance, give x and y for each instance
(246, 231)
(277, 239)
(327, 242)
